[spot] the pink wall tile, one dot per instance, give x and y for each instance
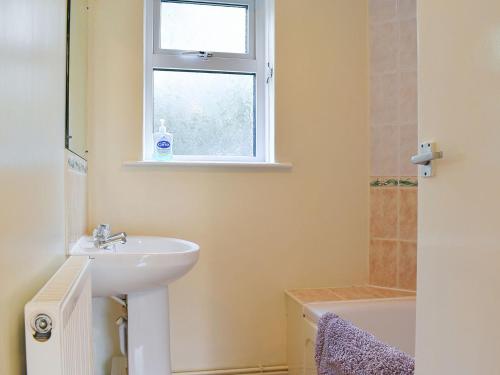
(408, 214)
(384, 45)
(384, 213)
(383, 10)
(383, 263)
(408, 45)
(407, 9)
(384, 99)
(408, 146)
(408, 97)
(407, 267)
(385, 151)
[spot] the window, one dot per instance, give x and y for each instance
(209, 78)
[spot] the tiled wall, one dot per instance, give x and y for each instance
(393, 34)
(76, 198)
(393, 236)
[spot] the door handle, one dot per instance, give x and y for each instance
(427, 153)
(426, 158)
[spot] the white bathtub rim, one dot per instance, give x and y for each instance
(290, 294)
(313, 316)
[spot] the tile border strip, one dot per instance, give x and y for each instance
(76, 164)
(394, 182)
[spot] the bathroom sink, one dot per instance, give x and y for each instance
(142, 264)
(142, 269)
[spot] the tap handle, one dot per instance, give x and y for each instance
(103, 230)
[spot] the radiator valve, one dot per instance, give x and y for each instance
(42, 327)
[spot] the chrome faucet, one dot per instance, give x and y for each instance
(103, 239)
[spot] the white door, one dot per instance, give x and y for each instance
(458, 304)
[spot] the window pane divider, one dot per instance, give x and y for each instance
(177, 62)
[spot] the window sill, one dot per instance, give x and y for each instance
(224, 164)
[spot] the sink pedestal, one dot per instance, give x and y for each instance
(149, 333)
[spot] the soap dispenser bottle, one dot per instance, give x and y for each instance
(162, 143)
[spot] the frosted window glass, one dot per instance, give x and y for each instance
(209, 114)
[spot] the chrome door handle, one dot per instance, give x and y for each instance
(426, 158)
(427, 153)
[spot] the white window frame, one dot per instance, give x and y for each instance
(259, 61)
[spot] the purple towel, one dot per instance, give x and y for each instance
(344, 349)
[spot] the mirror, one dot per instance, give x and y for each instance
(76, 77)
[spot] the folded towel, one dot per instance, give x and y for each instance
(344, 349)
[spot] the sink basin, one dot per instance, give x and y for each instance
(142, 264)
(142, 269)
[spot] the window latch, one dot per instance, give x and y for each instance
(270, 73)
(205, 55)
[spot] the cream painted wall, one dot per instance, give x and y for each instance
(458, 331)
(32, 86)
(260, 231)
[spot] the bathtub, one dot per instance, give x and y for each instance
(391, 320)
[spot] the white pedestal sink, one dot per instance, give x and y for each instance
(142, 269)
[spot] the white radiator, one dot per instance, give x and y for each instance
(58, 323)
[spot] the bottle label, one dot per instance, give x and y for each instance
(163, 145)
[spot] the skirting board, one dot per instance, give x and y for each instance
(271, 370)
